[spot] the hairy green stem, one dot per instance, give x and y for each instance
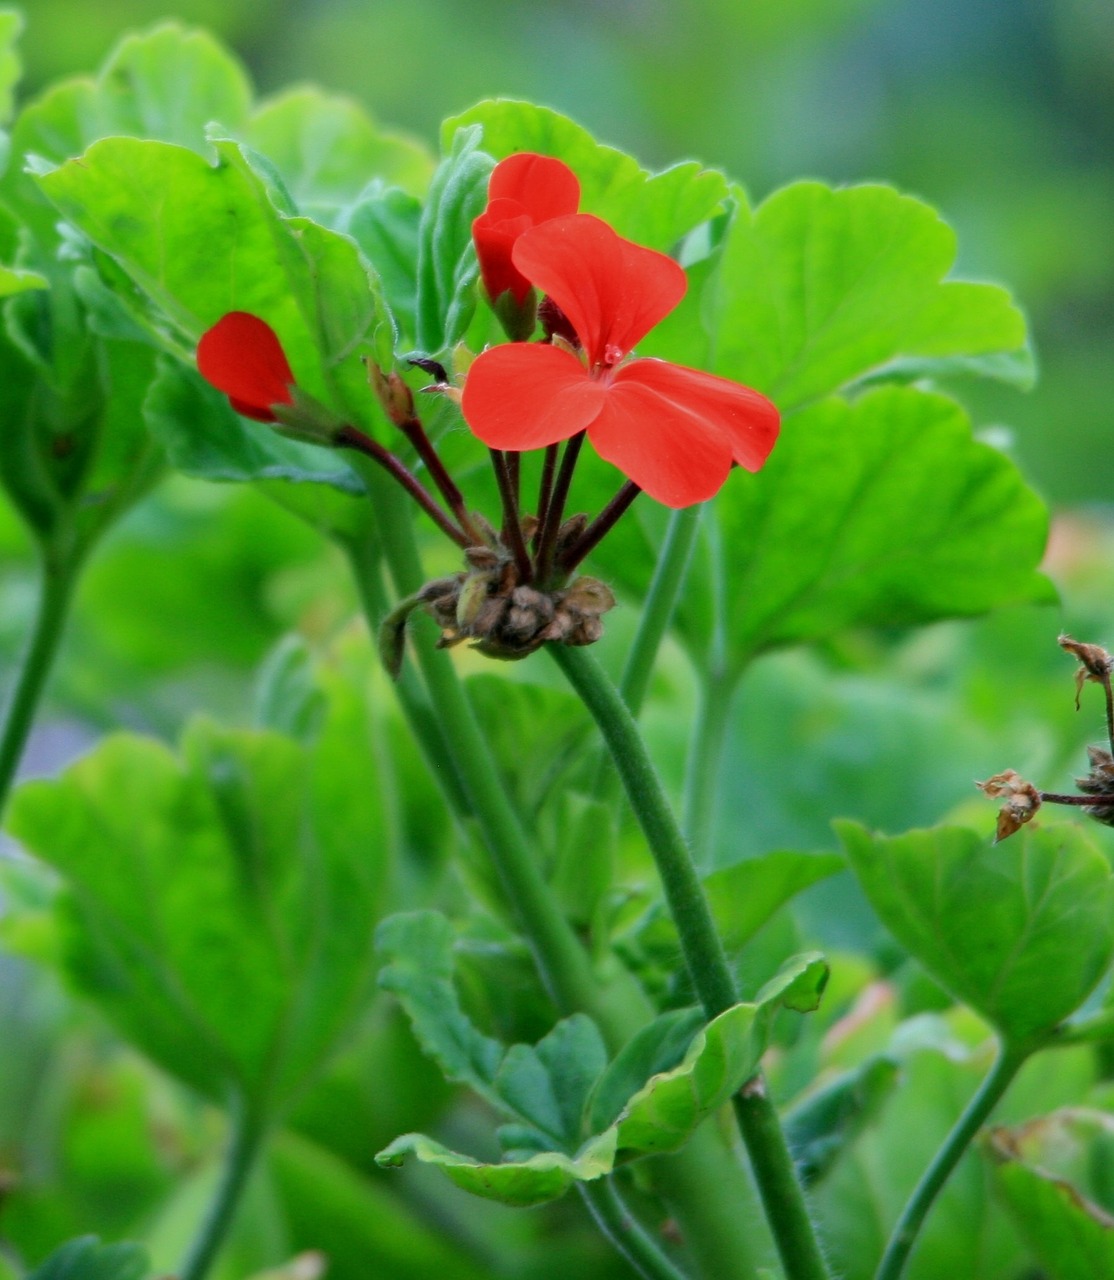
(707, 1185)
(55, 594)
(625, 1232)
(705, 762)
(986, 1097)
(246, 1138)
(778, 1185)
(661, 599)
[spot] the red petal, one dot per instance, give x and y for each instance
(747, 420)
(613, 290)
(526, 395)
(242, 356)
(544, 187)
(660, 445)
(494, 233)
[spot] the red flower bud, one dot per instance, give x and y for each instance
(524, 190)
(242, 356)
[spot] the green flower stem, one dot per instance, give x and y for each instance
(707, 1185)
(55, 593)
(705, 760)
(246, 1139)
(562, 961)
(987, 1096)
(657, 611)
(707, 964)
(625, 1232)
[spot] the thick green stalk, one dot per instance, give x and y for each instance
(657, 610)
(625, 1232)
(778, 1185)
(246, 1138)
(987, 1096)
(34, 667)
(707, 1186)
(705, 760)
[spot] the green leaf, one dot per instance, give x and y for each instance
(447, 266)
(821, 1126)
(327, 150)
(16, 280)
(550, 1087)
(385, 224)
(519, 1183)
(1021, 931)
(658, 1047)
(1071, 1234)
(652, 209)
(858, 1200)
(883, 512)
(212, 242)
(75, 452)
(204, 437)
(87, 1259)
(167, 84)
(743, 897)
(217, 905)
(819, 288)
(11, 26)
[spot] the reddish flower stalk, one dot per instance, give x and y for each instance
(676, 432)
(242, 356)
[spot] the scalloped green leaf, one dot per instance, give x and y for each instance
(882, 512)
(202, 239)
(655, 209)
(820, 288)
(723, 1055)
(87, 1259)
(327, 149)
(216, 906)
(659, 1116)
(168, 84)
(447, 265)
(1021, 931)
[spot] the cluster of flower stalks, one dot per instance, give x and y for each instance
(1096, 787)
(574, 299)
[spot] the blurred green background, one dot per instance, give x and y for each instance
(999, 112)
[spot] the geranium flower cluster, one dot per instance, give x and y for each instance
(674, 432)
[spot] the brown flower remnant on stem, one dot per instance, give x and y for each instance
(1095, 664)
(1022, 800)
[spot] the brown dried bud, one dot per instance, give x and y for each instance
(1022, 801)
(1095, 663)
(1100, 784)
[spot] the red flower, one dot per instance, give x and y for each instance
(524, 190)
(242, 356)
(674, 431)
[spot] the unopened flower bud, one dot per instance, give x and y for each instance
(392, 393)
